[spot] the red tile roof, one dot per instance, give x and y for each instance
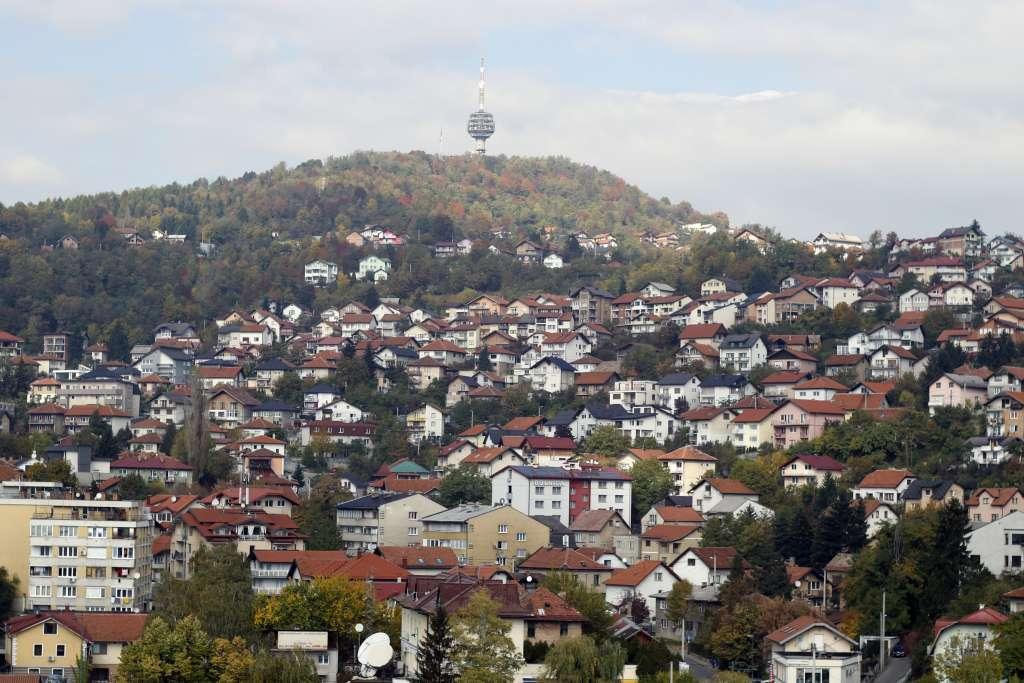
(818, 462)
(668, 533)
(155, 461)
(821, 383)
(634, 575)
(884, 479)
(96, 627)
(675, 514)
(419, 557)
(1000, 495)
(730, 487)
(818, 407)
(567, 559)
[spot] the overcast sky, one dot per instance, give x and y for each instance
(807, 116)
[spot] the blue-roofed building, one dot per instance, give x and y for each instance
(552, 375)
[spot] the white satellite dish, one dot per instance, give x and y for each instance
(375, 652)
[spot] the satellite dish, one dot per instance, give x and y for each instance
(375, 652)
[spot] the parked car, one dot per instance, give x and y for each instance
(898, 651)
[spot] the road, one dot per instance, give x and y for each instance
(701, 669)
(894, 673)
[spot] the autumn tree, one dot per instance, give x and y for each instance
(464, 485)
(584, 600)
(967, 660)
(484, 652)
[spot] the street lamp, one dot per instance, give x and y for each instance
(359, 641)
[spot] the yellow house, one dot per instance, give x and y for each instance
(51, 643)
(481, 534)
(688, 466)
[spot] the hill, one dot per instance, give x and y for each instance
(264, 227)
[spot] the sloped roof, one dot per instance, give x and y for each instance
(672, 514)
(594, 520)
(818, 462)
(567, 559)
(635, 574)
(667, 533)
(884, 479)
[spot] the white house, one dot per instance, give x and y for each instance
(886, 486)
(720, 496)
(676, 388)
(373, 268)
(877, 515)
(644, 579)
(534, 491)
(569, 346)
(835, 291)
(705, 566)
(340, 410)
(975, 630)
(552, 375)
(836, 240)
(913, 300)
(320, 273)
(999, 545)
(812, 649)
(742, 352)
(426, 423)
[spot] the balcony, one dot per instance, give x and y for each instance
(83, 514)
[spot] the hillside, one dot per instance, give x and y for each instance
(266, 226)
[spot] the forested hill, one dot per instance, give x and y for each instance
(265, 226)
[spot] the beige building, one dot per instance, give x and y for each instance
(992, 503)
(599, 528)
(384, 519)
(480, 534)
(78, 554)
(688, 466)
(245, 530)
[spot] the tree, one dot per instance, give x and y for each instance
(218, 593)
(133, 487)
(1009, 641)
(651, 483)
(434, 658)
(166, 654)
(317, 515)
(464, 485)
(572, 660)
(679, 607)
(52, 470)
(8, 593)
(606, 440)
(967, 661)
(233, 662)
(734, 639)
(289, 389)
(483, 361)
(587, 602)
(167, 442)
(638, 610)
(484, 652)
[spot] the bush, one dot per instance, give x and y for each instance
(534, 653)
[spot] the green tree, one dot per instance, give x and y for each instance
(289, 389)
(464, 485)
(572, 660)
(606, 440)
(483, 360)
(52, 470)
(434, 658)
(9, 586)
(1009, 642)
(484, 652)
(218, 593)
(584, 600)
(317, 516)
(651, 483)
(166, 654)
(679, 607)
(133, 487)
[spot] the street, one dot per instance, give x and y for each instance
(895, 672)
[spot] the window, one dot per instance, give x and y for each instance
(503, 528)
(602, 498)
(37, 649)
(67, 551)
(619, 499)
(539, 504)
(68, 532)
(414, 531)
(412, 514)
(691, 562)
(41, 530)
(67, 572)
(93, 593)
(124, 552)
(556, 505)
(97, 532)
(563, 629)
(323, 658)
(539, 490)
(520, 535)
(40, 591)
(531, 630)
(658, 576)
(556, 490)
(50, 628)
(69, 591)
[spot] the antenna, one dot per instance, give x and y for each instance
(481, 84)
(375, 652)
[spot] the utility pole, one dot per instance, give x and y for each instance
(881, 634)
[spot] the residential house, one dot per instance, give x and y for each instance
(956, 391)
(320, 273)
(892, 362)
(887, 486)
(708, 424)
(533, 490)
(835, 291)
(809, 470)
(643, 580)
(719, 390)
(818, 389)
(481, 534)
(230, 406)
(847, 364)
(742, 352)
(425, 424)
(837, 240)
(599, 528)
(583, 567)
(551, 375)
(373, 268)
(924, 493)
(677, 391)
(388, 519)
(802, 420)
(752, 427)
(991, 503)
(708, 566)
(914, 300)
(979, 629)
(810, 648)
(720, 496)
(664, 542)
(710, 334)
(688, 467)
(792, 360)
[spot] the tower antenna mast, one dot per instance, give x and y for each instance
(481, 123)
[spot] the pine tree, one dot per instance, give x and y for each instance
(434, 657)
(483, 361)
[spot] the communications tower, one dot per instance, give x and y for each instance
(481, 123)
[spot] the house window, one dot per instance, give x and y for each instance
(414, 531)
(323, 658)
(563, 629)
(556, 505)
(658, 576)
(37, 650)
(521, 536)
(50, 628)
(531, 630)
(61, 650)
(503, 528)
(412, 514)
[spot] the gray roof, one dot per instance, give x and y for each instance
(459, 513)
(540, 472)
(372, 502)
(734, 381)
(558, 362)
(740, 341)
(968, 381)
(675, 378)
(939, 488)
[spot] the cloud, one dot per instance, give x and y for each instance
(26, 169)
(802, 115)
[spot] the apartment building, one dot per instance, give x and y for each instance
(388, 519)
(485, 535)
(89, 555)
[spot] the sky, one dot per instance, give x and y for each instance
(805, 116)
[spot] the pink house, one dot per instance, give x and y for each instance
(952, 390)
(801, 420)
